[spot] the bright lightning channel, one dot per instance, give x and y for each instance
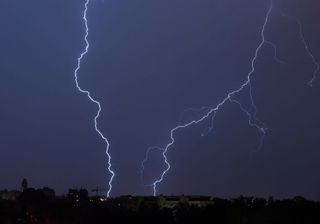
(251, 112)
(82, 55)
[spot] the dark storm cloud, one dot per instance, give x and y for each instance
(148, 62)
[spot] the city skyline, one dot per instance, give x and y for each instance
(202, 83)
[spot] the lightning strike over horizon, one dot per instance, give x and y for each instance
(251, 112)
(79, 60)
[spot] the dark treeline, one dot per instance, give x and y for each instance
(33, 206)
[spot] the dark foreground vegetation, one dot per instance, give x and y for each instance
(37, 206)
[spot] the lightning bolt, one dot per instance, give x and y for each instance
(275, 56)
(146, 159)
(251, 112)
(306, 47)
(303, 39)
(79, 60)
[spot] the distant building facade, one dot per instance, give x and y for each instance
(48, 192)
(173, 201)
(78, 196)
(137, 203)
(9, 195)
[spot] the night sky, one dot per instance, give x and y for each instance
(148, 62)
